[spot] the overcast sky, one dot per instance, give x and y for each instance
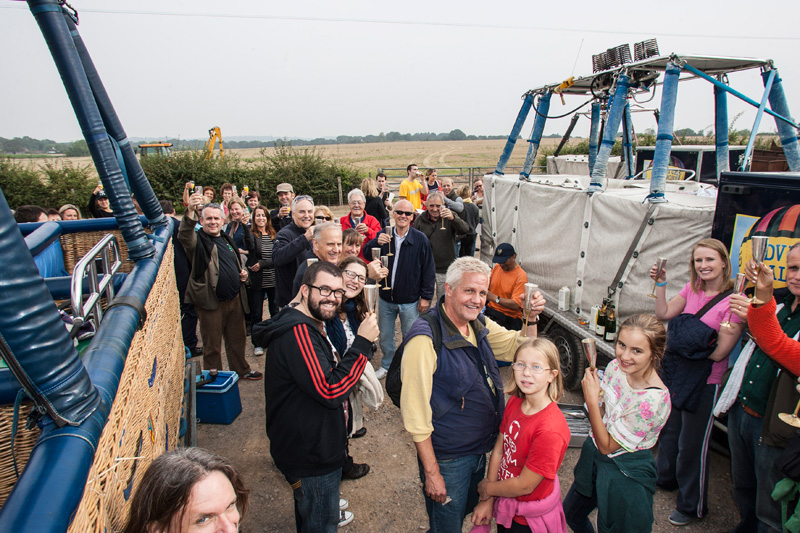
(321, 68)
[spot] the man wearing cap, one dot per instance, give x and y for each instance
(506, 288)
(281, 216)
(98, 204)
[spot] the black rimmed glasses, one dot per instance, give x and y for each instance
(353, 275)
(536, 369)
(327, 291)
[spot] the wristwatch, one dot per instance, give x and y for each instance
(497, 300)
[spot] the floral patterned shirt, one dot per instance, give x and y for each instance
(633, 417)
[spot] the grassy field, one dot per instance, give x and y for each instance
(369, 158)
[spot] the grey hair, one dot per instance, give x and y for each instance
(212, 205)
(356, 192)
(465, 265)
(298, 199)
(319, 228)
(794, 247)
(436, 194)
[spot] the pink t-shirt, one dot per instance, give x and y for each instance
(712, 318)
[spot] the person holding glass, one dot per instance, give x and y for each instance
(366, 225)
(697, 371)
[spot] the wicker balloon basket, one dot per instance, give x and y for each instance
(144, 421)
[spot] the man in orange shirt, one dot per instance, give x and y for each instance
(506, 288)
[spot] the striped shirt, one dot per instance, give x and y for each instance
(267, 274)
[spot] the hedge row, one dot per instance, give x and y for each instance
(305, 168)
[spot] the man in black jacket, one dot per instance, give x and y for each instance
(290, 246)
(306, 387)
(282, 216)
(411, 279)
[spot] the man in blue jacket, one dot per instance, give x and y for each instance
(412, 277)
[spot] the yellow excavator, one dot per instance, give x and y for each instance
(214, 134)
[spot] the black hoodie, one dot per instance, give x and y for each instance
(305, 389)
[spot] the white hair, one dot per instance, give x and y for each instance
(319, 228)
(356, 192)
(462, 266)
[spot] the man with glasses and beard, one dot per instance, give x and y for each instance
(306, 387)
(411, 279)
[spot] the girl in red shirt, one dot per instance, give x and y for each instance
(522, 490)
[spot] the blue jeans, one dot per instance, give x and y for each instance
(768, 510)
(577, 508)
(461, 477)
(316, 502)
(387, 314)
(744, 432)
(683, 453)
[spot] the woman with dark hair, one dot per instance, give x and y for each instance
(262, 269)
(342, 331)
(252, 199)
(188, 490)
(375, 205)
(351, 243)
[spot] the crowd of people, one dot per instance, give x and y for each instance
(414, 254)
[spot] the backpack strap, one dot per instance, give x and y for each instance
(714, 301)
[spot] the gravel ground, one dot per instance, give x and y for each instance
(389, 498)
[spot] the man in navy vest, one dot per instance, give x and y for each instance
(454, 414)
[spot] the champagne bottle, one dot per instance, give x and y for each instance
(611, 325)
(600, 329)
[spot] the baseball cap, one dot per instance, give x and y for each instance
(284, 187)
(102, 194)
(503, 252)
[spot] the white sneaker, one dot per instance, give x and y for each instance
(345, 517)
(380, 373)
(343, 504)
(258, 351)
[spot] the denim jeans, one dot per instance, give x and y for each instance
(316, 502)
(683, 453)
(461, 477)
(767, 509)
(387, 314)
(744, 432)
(577, 509)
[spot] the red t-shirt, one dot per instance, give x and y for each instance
(537, 441)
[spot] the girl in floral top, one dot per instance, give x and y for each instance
(616, 472)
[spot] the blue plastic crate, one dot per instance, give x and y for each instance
(218, 402)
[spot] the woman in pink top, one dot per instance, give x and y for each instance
(683, 443)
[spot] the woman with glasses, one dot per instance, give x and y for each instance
(342, 331)
(322, 214)
(366, 225)
(262, 269)
(375, 205)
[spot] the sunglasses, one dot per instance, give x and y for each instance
(323, 218)
(406, 213)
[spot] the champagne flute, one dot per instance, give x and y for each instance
(662, 262)
(376, 254)
(530, 288)
(442, 215)
(791, 418)
(738, 287)
(371, 297)
(590, 351)
(385, 263)
(390, 233)
(760, 244)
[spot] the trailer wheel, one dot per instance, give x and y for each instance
(572, 361)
